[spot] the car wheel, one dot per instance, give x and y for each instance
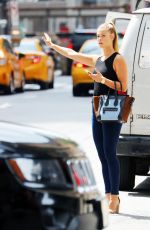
(51, 85)
(44, 85)
(21, 89)
(50, 78)
(76, 91)
(127, 173)
(11, 88)
(142, 168)
(22, 220)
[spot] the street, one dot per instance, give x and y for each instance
(57, 110)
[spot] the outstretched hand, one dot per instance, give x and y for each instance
(96, 76)
(47, 39)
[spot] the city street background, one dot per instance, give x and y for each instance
(57, 110)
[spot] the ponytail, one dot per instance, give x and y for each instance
(112, 29)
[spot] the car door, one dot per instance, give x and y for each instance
(141, 84)
(14, 64)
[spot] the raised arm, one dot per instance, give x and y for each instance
(89, 60)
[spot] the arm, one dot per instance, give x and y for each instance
(120, 68)
(89, 60)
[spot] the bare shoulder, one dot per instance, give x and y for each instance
(119, 59)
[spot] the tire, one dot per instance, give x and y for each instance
(44, 85)
(11, 88)
(51, 85)
(76, 91)
(50, 78)
(142, 168)
(127, 173)
(22, 220)
(21, 89)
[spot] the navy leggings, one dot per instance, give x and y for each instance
(106, 137)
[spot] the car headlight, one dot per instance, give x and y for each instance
(38, 173)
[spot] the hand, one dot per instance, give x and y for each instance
(47, 39)
(96, 77)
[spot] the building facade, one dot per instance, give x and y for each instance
(54, 16)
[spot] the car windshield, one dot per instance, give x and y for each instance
(91, 48)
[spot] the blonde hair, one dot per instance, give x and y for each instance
(111, 28)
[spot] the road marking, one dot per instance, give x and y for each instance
(5, 105)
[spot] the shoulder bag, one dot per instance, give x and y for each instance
(115, 107)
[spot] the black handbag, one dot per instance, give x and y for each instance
(113, 107)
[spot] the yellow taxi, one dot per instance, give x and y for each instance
(82, 83)
(37, 65)
(11, 74)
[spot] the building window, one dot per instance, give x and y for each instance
(88, 2)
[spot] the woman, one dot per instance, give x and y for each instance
(110, 67)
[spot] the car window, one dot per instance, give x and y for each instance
(121, 24)
(78, 39)
(144, 61)
(26, 45)
(42, 46)
(8, 46)
(91, 48)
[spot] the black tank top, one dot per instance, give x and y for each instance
(106, 69)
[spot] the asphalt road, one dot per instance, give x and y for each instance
(57, 110)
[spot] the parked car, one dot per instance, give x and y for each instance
(37, 65)
(46, 182)
(11, 73)
(80, 79)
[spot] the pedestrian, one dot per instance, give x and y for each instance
(109, 67)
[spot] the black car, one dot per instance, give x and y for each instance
(46, 183)
(80, 36)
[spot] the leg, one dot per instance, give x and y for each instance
(98, 140)
(111, 133)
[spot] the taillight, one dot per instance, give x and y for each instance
(35, 59)
(3, 61)
(70, 46)
(1, 54)
(79, 65)
(82, 173)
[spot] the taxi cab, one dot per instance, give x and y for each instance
(11, 74)
(81, 81)
(37, 65)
